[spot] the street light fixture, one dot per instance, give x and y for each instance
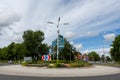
(58, 24)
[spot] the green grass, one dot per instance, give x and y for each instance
(110, 64)
(3, 61)
(54, 64)
(72, 64)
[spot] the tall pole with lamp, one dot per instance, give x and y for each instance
(58, 24)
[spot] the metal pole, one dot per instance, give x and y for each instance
(70, 54)
(103, 53)
(58, 39)
(58, 35)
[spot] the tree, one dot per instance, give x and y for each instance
(68, 52)
(108, 58)
(19, 51)
(10, 53)
(93, 56)
(115, 50)
(43, 49)
(3, 54)
(32, 41)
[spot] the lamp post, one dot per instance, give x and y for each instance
(58, 24)
(71, 47)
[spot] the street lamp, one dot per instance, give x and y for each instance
(58, 24)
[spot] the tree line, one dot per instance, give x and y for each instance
(33, 46)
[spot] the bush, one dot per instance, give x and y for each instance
(53, 64)
(24, 63)
(56, 65)
(33, 64)
(55, 61)
(77, 65)
(3, 61)
(59, 65)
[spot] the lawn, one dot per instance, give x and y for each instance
(110, 64)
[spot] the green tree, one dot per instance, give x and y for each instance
(3, 54)
(115, 50)
(108, 58)
(19, 51)
(10, 53)
(42, 49)
(68, 52)
(31, 41)
(93, 56)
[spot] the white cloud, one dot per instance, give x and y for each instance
(78, 46)
(109, 37)
(71, 42)
(85, 17)
(8, 17)
(17, 38)
(100, 51)
(91, 34)
(69, 35)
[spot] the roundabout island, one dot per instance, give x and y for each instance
(18, 70)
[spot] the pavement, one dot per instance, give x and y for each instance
(96, 70)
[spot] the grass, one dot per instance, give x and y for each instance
(3, 61)
(72, 64)
(110, 64)
(56, 65)
(53, 64)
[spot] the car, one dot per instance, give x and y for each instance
(10, 62)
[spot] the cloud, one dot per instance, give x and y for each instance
(109, 37)
(8, 17)
(17, 38)
(91, 34)
(69, 35)
(71, 42)
(78, 46)
(100, 51)
(85, 17)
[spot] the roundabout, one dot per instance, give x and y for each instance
(18, 70)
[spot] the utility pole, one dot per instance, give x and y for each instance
(58, 24)
(58, 39)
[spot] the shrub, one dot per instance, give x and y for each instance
(59, 65)
(60, 61)
(77, 65)
(56, 65)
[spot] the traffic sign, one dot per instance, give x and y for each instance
(46, 57)
(61, 42)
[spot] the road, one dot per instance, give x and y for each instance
(109, 77)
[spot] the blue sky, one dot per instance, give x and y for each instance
(92, 23)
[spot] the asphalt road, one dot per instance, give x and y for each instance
(109, 77)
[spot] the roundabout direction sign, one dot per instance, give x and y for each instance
(46, 57)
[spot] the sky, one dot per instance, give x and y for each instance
(93, 24)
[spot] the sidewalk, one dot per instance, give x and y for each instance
(55, 72)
